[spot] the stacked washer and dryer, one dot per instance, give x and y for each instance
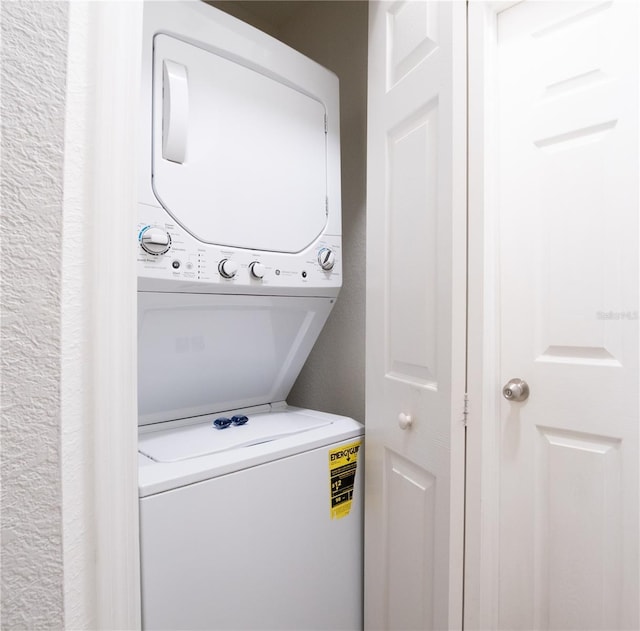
(250, 510)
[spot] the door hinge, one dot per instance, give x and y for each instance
(326, 206)
(326, 124)
(465, 413)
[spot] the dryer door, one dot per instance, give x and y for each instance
(239, 158)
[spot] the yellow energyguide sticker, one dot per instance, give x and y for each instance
(342, 476)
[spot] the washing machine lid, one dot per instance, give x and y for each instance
(183, 443)
(202, 353)
(239, 156)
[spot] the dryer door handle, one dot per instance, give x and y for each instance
(175, 111)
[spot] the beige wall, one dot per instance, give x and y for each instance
(333, 33)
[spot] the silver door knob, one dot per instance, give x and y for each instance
(516, 390)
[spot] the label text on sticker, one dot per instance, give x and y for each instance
(342, 475)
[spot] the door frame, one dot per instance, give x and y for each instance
(99, 496)
(483, 427)
(113, 321)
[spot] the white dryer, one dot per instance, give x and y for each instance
(250, 510)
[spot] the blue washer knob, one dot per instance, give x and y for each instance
(239, 419)
(222, 422)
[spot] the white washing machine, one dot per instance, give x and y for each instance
(250, 510)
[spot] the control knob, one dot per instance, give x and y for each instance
(227, 268)
(327, 259)
(155, 241)
(257, 270)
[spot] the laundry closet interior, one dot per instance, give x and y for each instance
(240, 263)
(489, 189)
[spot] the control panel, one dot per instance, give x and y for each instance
(167, 252)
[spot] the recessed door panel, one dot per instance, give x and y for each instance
(412, 222)
(412, 29)
(577, 492)
(409, 490)
(239, 157)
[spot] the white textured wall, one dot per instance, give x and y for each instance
(333, 33)
(33, 76)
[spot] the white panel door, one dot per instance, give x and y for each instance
(563, 189)
(415, 315)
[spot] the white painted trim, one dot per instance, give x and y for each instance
(100, 434)
(481, 572)
(459, 161)
(118, 46)
(75, 358)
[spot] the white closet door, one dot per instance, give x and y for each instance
(563, 188)
(415, 315)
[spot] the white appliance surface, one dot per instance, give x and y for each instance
(192, 450)
(239, 264)
(204, 438)
(240, 161)
(254, 173)
(256, 548)
(204, 353)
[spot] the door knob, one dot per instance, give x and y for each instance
(405, 420)
(516, 390)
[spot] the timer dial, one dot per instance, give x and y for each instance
(227, 268)
(155, 241)
(257, 270)
(326, 259)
